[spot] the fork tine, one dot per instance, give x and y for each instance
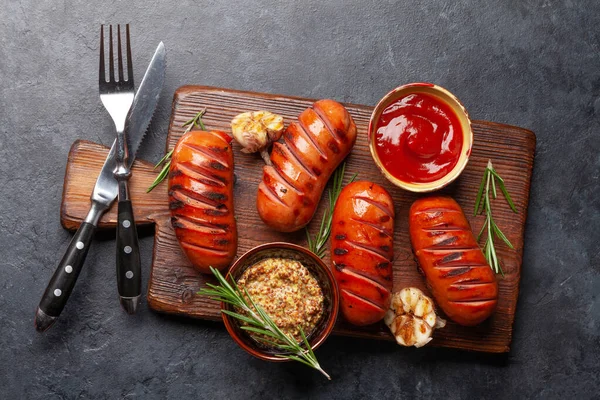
(102, 72)
(111, 66)
(119, 54)
(129, 58)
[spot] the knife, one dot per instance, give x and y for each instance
(104, 194)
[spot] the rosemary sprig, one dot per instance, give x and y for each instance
(317, 244)
(258, 321)
(195, 122)
(483, 205)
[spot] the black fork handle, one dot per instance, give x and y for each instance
(63, 281)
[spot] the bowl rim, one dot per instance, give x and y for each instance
(455, 104)
(331, 318)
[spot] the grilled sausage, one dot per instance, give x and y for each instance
(313, 148)
(201, 199)
(457, 273)
(362, 240)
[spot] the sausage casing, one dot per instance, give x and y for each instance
(456, 271)
(362, 240)
(313, 148)
(201, 199)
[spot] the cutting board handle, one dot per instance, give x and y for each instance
(85, 162)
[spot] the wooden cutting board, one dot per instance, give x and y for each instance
(173, 282)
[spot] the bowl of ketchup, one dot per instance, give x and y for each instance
(420, 137)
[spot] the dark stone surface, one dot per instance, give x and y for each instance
(531, 63)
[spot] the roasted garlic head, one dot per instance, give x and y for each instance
(256, 130)
(411, 317)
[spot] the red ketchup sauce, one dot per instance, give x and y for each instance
(418, 138)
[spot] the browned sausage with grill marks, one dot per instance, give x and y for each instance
(362, 249)
(313, 148)
(457, 273)
(201, 199)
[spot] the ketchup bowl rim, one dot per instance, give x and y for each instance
(447, 98)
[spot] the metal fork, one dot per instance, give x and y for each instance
(117, 97)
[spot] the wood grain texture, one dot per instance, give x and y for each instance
(174, 283)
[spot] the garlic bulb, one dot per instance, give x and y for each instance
(411, 318)
(256, 130)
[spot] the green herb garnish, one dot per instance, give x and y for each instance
(258, 321)
(195, 122)
(317, 245)
(483, 205)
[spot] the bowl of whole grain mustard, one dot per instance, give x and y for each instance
(293, 286)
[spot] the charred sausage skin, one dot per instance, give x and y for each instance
(313, 148)
(201, 199)
(456, 271)
(362, 250)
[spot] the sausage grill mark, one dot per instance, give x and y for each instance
(182, 221)
(292, 152)
(333, 146)
(340, 252)
(340, 237)
(479, 302)
(221, 253)
(455, 272)
(447, 242)
(284, 181)
(200, 174)
(193, 199)
(220, 197)
(339, 266)
(270, 192)
(326, 123)
(447, 228)
(210, 156)
(305, 132)
(216, 213)
(382, 231)
(469, 286)
(361, 298)
(377, 204)
(174, 173)
(373, 250)
(175, 204)
(217, 165)
(450, 257)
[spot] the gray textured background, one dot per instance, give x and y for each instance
(531, 63)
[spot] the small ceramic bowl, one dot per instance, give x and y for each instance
(319, 270)
(465, 123)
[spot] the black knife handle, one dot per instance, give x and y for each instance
(61, 285)
(129, 271)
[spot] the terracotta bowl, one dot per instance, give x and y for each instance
(463, 117)
(319, 270)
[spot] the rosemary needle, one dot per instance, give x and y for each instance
(317, 245)
(258, 321)
(195, 122)
(483, 205)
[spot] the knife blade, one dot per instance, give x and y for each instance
(104, 194)
(128, 263)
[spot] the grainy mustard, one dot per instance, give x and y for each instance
(288, 293)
